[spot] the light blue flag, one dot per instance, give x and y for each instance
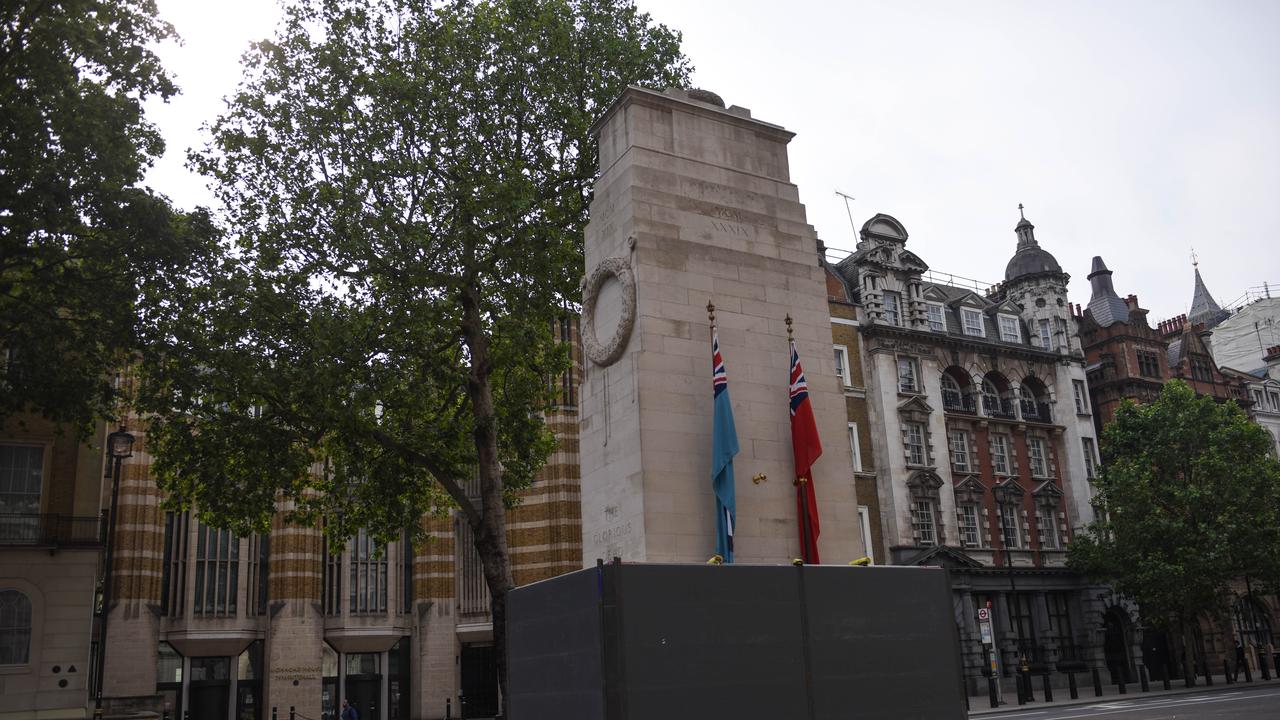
(724, 445)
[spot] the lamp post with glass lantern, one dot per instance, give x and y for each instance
(119, 447)
(1004, 495)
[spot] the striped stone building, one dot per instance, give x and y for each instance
(230, 628)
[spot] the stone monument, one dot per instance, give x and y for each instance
(694, 205)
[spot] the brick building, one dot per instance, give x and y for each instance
(227, 628)
(984, 441)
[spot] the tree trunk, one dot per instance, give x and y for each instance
(491, 532)
(1188, 648)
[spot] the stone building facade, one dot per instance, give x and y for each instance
(51, 488)
(984, 442)
(228, 628)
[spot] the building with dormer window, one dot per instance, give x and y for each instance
(988, 443)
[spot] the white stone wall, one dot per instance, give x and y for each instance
(704, 195)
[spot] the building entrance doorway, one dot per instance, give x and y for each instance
(364, 684)
(209, 689)
(1117, 645)
(479, 696)
(1156, 656)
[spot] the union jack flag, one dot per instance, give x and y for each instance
(799, 388)
(719, 380)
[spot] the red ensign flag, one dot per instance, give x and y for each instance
(807, 447)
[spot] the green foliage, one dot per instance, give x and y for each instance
(407, 185)
(83, 249)
(1188, 501)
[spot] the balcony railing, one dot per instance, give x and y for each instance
(1036, 412)
(30, 529)
(997, 407)
(958, 402)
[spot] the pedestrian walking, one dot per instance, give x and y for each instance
(349, 711)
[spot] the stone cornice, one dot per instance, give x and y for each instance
(976, 345)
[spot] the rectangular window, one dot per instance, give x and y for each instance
(332, 580)
(1148, 364)
(1058, 604)
(922, 522)
(959, 440)
(969, 526)
(1000, 454)
(21, 481)
(1020, 609)
(892, 308)
(914, 433)
(937, 321)
(842, 364)
(908, 377)
(864, 519)
(217, 571)
(406, 572)
(1081, 396)
(1046, 335)
(1009, 331)
(973, 323)
(1035, 452)
(855, 447)
(173, 581)
(1275, 400)
(1010, 535)
(1048, 528)
(367, 592)
(1090, 459)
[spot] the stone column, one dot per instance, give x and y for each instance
(695, 204)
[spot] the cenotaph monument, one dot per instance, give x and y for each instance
(694, 204)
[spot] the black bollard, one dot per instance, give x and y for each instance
(291, 713)
(1097, 683)
(1030, 685)
(992, 693)
(1248, 675)
(165, 714)
(1226, 672)
(1071, 686)
(1048, 691)
(1022, 694)
(1208, 676)
(1262, 663)
(186, 715)
(1120, 682)
(273, 713)
(1142, 676)
(448, 709)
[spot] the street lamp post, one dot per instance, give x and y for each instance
(1003, 496)
(119, 446)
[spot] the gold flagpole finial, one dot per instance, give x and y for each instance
(711, 313)
(715, 560)
(789, 326)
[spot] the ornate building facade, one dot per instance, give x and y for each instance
(985, 442)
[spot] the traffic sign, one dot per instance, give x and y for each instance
(984, 613)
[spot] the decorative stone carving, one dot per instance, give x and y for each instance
(607, 353)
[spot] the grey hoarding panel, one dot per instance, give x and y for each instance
(553, 641)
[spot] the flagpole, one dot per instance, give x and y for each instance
(806, 531)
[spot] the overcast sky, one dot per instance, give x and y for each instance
(1131, 130)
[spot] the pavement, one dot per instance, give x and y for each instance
(1259, 700)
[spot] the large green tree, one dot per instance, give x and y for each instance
(84, 249)
(407, 185)
(1188, 503)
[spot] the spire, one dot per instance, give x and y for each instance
(1105, 306)
(1204, 309)
(1026, 231)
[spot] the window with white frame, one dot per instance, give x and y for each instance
(21, 479)
(937, 321)
(913, 437)
(1009, 331)
(922, 524)
(1000, 454)
(1275, 399)
(15, 628)
(1048, 528)
(968, 522)
(842, 363)
(973, 322)
(892, 308)
(864, 520)
(908, 375)
(1010, 533)
(1037, 457)
(1081, 395)
(1090, 459)
(959, 440)
(855, 447)
(1046, 335)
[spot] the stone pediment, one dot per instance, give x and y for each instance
(912, 262)
(915, 404)
(944, 556)
(933, 293)
(1047, 490)
(970, 300)
(1008, 307)
(970, 489)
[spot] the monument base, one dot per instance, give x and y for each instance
(640, 641)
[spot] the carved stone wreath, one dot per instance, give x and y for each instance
(608, 352)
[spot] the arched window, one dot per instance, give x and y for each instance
(957, 395)
(1035, 400)
(996, 400)
(15, 628)
(1252, 622)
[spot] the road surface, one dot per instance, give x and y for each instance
(1243, 704)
